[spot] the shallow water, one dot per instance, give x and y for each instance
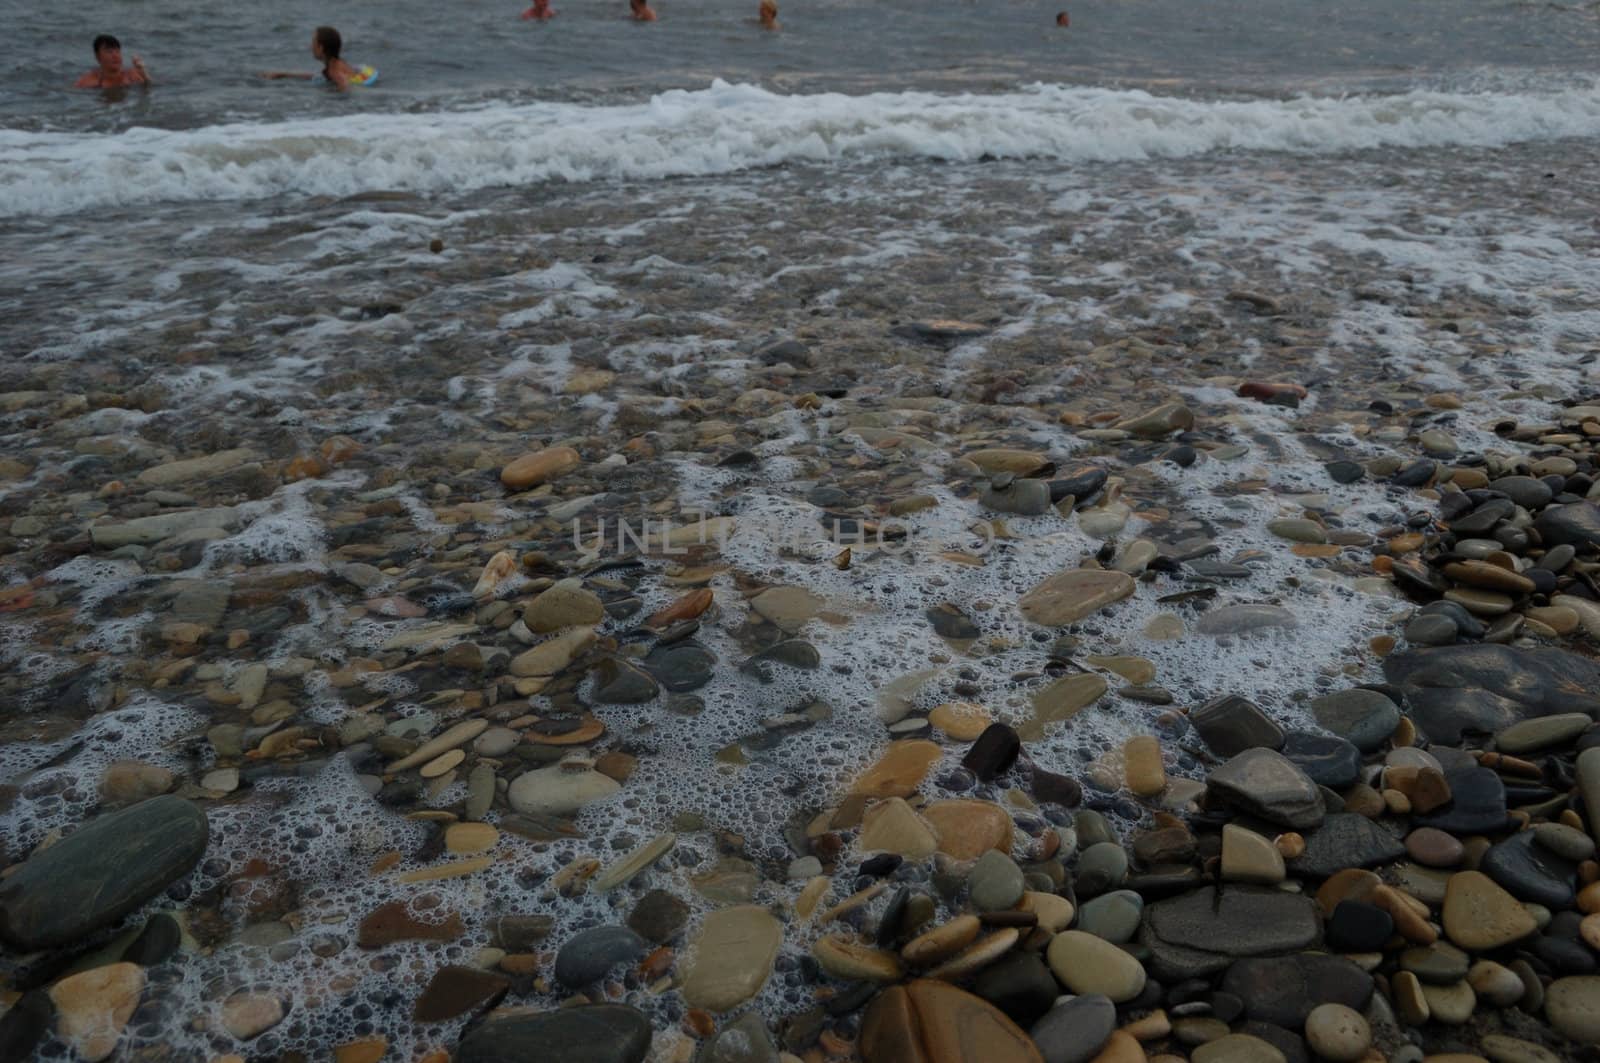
(222, 264)
(1401, 273)
(434, 56)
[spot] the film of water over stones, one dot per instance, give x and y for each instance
(834, 565)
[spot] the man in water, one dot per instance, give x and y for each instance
(110, 73)
(539, 11)
(769, 14)
(326, 44)
(641, 11)
(1061, 18)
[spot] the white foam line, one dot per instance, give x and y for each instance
(729, 128)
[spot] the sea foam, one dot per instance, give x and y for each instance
(728, 128)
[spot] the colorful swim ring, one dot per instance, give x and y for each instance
(365, 76)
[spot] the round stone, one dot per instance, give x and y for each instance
(496, 742)
(1573, 1007)
(900, 770)
(1338, 1033)
(1479, 915)
(1101, 867)
(530, 470)
(558, 791)
(1142, 764)
(1356, 926)
(1114, 916)
(995, 882)
(1497, 985)
(92, 1007)
(1074, 1030)
(1431, 629)
(961, 720)
(733, 956)
(1434, 848)
(1365, 718)
(1531, 736)
(244, 1015)
(1068, 597)
(589, 954)
(1245, 619)
(893, 827)
(968, 829)
(1450, 1004)
(467, 838)
(1088, 964)
(1503, 1049)
(1237, 1048)
(1298, 530)
(1569, 843)
(658, 916)
(561, 606)
(1250, 857)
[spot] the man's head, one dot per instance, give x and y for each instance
(1061, 19)
(326, 43)
(108, 52)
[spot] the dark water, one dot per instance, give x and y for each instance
(440, 55)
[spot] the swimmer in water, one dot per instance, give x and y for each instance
(539, 11)
(326, 44)
(769, 14)
(109, 74)
(641, 11)
(1061, 18)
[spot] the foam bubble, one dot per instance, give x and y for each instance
(728, 128)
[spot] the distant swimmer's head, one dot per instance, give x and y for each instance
(769, 13)
(108, 52)
(1061, 18)
(326, 44)
(641, 11)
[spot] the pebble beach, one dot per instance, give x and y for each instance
(908, 609)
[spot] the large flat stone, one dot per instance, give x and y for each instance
(101, 872)
(732, 958)
(1235, 921)
(1485, 687)
(1283, 989)
(597, 1033)
(927, 1021)
(1346, 840)
(1068, 597)
(1231, 724)
(1262, 782)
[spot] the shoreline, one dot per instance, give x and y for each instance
(296, 554)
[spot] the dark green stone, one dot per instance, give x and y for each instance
(101, 872)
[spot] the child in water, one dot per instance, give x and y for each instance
(769, 14)
(326, 44)
(641, 11)
(539, 11)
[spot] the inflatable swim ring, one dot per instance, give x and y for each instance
(363, 77)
